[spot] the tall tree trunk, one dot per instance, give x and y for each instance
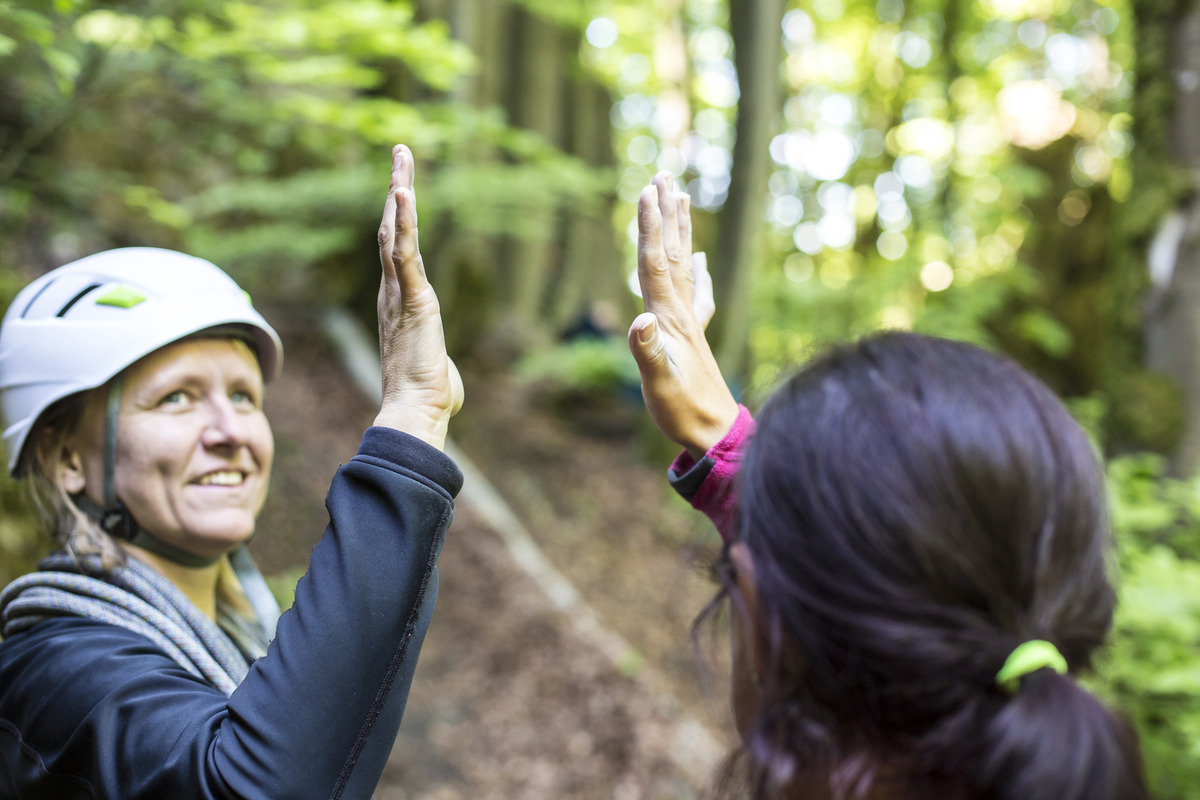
(589, 276)
(1172, 307)
(757, 40)
(536, 104)
(467, 269)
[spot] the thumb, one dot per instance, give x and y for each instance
(646, 344)
(457, 392)
(703, 305)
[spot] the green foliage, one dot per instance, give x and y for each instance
(1146, 407)
(1151, 670)
(570, 13)
(283, 586)
(254, 133)
(582, 366)
(931, 196)
(21, 542)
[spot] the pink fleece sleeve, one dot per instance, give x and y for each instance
(717, 496)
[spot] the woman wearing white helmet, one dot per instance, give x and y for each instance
(135, 662)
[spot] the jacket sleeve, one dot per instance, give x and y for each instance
(314, 718)
(710, 484)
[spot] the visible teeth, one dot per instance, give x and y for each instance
(221, 479)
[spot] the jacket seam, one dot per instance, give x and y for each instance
(397, 661)
(36, 758)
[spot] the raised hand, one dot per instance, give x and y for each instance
(422, 388)
(681, 383)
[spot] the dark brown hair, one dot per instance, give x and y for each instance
(915, 509)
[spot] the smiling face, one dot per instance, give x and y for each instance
(194, 448)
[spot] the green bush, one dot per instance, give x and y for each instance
(583, 366)
(1151, 670)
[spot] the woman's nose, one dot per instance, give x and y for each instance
(225, 426)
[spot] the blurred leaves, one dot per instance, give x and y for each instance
(1151, 670)
(582, 366)
(255, 134)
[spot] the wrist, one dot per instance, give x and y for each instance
(430, 428)
(705, 437)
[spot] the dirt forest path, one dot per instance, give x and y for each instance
(559, 663)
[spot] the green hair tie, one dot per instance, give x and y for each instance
(1026, 658)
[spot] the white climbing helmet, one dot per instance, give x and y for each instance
(76, 327)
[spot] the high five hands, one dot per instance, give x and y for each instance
(681, 382)
(422, 388)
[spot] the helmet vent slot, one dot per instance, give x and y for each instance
(63, 311)
(34, 299)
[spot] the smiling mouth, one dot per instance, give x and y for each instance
(223, 478)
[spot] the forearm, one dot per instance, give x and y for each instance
(333, 685)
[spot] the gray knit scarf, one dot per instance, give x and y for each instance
(137, 598)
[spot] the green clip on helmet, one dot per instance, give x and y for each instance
(77, 326)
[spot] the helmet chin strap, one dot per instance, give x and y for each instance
(114, 518)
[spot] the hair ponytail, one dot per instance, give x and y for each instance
(1054, 740)
(915, 507)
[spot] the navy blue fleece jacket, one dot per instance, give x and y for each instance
(89, 710)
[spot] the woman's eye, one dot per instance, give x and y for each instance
(175, 398)
(244, 399)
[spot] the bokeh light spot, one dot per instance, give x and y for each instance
(837, 230)
(601, 33)
(642, 150)
(1074, 207)
(798, 267)
(891, 245)
(807, 238)
(936, 276)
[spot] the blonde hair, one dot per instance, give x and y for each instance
(66, 523)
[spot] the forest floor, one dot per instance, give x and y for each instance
(519, 692)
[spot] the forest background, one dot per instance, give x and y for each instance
(1018, 173)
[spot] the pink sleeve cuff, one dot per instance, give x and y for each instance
(717, 497)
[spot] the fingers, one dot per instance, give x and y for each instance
(387, 236)
(703, 303)
(402, 167)
(399, 251)
(684, 201)
(406, 253)
(665, 263)
(668, 205)
(682, 271)
(646, 346)
(401, 178)
(653, 271)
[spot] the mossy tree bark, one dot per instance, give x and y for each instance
(590, 280)
(1149, 374)
(755, 26)
(1171, 310)
(524, 285)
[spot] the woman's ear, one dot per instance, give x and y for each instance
(746, 580)
(748, 642)
(60, 460)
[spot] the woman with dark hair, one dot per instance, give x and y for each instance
(916, 554)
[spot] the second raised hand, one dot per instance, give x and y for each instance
(681, 382)
(422, 388)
